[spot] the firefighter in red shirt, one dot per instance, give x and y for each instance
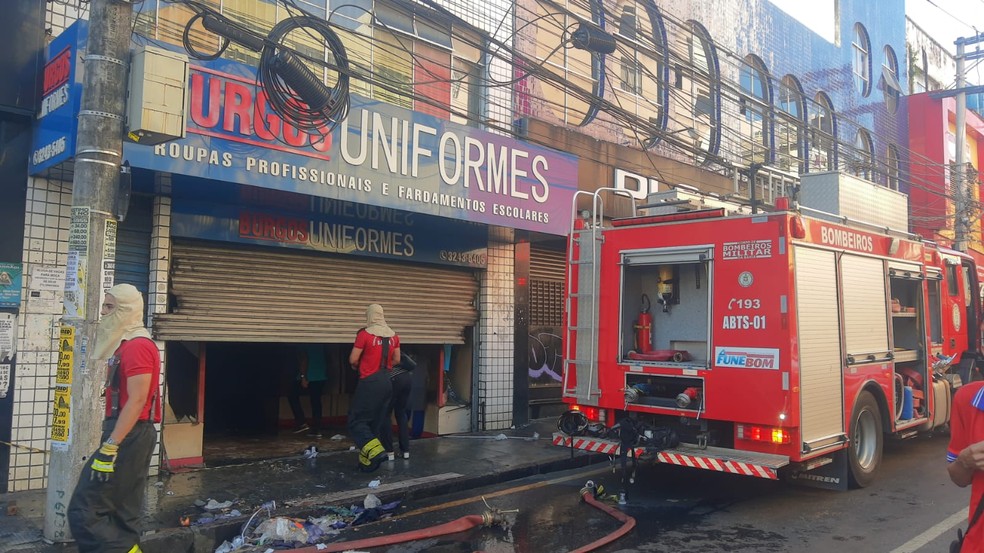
(105, 506)
(376, 350)
(966, 455)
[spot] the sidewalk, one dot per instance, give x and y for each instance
(301, 486)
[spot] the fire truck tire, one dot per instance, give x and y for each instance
(865, 451)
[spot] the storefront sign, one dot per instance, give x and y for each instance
(381, 155)
(337, 227)
(10, 285)
(61, 94)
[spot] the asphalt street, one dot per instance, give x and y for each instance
(911, 508)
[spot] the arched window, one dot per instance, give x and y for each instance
(573, 68)
(823, 134)
(639, 68)
(753, 104)
(789, 125)
(890, 80)
(702, 81)
(894, 167)
(861, 60)
(864, 155)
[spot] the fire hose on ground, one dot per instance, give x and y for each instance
(628, 523)
(462, 524)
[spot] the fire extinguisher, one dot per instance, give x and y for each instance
(644, 327)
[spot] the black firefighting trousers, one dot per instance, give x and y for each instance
(103, 516)
(369, 406)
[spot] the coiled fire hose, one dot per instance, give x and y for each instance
(628, 523)
(468, 522)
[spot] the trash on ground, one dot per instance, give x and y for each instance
(374, 483)
(214, 505)
(281, 529)
(371, 501)
(337, 437)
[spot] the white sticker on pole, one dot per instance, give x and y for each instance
(109, 255)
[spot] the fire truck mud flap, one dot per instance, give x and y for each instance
(744, 463)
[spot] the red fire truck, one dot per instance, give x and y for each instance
(787, 343)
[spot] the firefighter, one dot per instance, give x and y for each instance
(105, 506)
(376, 350)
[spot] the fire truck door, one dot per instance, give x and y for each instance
(822, 404)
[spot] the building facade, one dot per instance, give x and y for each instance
(446, 193)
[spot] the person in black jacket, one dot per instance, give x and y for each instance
(402, 379)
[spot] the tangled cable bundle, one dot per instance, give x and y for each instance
(294, 92)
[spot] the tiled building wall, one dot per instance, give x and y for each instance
(48, 210)
(496, 360)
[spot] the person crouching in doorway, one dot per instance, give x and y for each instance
(376, 350)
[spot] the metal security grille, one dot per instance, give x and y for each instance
(546, 303)
(227, 294)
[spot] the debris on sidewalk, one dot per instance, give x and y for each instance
(213, 505)
(283, 532)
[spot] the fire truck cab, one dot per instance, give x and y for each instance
(785, 343)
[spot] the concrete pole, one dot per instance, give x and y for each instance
(958, 179)
(75, 434)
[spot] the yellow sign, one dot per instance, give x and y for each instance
(66, 353)
(61, 419)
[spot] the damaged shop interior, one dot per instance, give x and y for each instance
(227, 402)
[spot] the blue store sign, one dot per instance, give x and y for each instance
(247, 215)
(53, 140)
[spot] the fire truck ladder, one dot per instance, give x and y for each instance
(582, 291)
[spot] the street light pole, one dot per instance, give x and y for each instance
(78, 405)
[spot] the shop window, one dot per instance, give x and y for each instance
(790, 125)
(861, 60)
(702, 84)
(576, 73)
(862, 161)
(823, 134)
(894, 167)
(639, 68)
(891, 88)
(754, 102)
(392, 69)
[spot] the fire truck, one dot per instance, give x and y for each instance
(783, 344)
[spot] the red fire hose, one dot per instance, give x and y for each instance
(628, 523)
(453, 527)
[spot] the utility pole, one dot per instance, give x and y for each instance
(78, 406)
(960, 180)
(961, 191)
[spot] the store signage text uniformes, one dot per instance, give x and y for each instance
(380, 155)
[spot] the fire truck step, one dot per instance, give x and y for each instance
(748, 463)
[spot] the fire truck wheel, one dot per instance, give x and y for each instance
(865, 452)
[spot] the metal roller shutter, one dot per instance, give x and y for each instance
(227, 294)
(133, 244)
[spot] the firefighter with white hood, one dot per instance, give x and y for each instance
(105, 506)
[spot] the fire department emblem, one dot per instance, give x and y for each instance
(745, 279)
(955, 313)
